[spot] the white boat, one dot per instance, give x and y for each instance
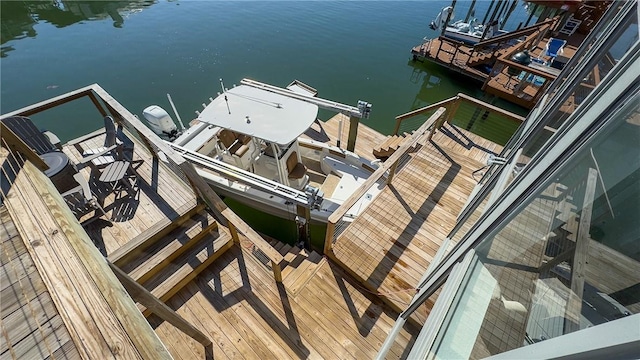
(469, 32)
(246, 144)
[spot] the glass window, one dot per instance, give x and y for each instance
(607, 57)
(567, 259)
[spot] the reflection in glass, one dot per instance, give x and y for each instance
(566, 260)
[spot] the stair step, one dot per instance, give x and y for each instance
(140, 243)
(297, 279)
(177, 242)
(187, 266)
(293, 252)
(295, 262)
(285, 249)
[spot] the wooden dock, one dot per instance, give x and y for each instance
(235, 295)
(327, 132)
(490, 62)
(248, 315)
(391, 244)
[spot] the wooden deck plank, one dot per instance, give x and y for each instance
(237, 302)
(161, 197)
(390, 245)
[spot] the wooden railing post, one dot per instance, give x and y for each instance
(392, 171)
(328, 239)
(234, 233)
(277, 271)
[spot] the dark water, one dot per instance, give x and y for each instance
(141, 50)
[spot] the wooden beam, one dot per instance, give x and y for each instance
(95, 308)
(486, 106)
(353, 133)
(17, 145)
(48, 104)
(152, 303)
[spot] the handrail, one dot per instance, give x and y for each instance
(389, 165)
(460, 97)
(512, 35)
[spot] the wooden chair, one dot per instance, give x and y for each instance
(107, 153)
(81, 200)
(26, 130)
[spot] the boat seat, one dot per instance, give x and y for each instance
(296, 169)
(227, 138)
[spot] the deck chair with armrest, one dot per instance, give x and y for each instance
(106, 154)
(27, 131)
(554, 47)
(81, 200)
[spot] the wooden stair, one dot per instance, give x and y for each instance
(166, 265)
(481, 58)
(299, 267)
(393, 142)
(388, 146)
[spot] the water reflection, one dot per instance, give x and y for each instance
(19, 18)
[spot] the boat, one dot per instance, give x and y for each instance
(468, 32)
(246, 143)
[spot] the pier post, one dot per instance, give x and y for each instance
(302, 221)
(353, 133)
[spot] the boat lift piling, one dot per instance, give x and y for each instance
(446, 23)
(471, 12)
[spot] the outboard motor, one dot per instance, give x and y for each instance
(160, 122)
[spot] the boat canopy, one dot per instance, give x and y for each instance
(262, 114)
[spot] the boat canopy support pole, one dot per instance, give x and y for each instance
(446, 23)
(471, 11)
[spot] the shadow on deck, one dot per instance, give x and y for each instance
(391, 244)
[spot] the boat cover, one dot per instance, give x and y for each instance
(259, 113)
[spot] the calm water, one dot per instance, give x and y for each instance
(141, 50)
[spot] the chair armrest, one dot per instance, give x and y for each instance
(74, 190)
(84, 184)
(86, 160)
(90, 135)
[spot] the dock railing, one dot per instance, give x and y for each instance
(337, 224)
(107, 105)
(526, 74)
(461, 110)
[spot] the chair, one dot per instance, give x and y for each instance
(554, 47)
(570, 26)
(107, 153)
(81, 200)
(26, 130)
(296, 169)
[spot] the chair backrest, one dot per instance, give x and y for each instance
(292, 161)
(110, 131)
(554, 46)
(26, 130)
(227, 138)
